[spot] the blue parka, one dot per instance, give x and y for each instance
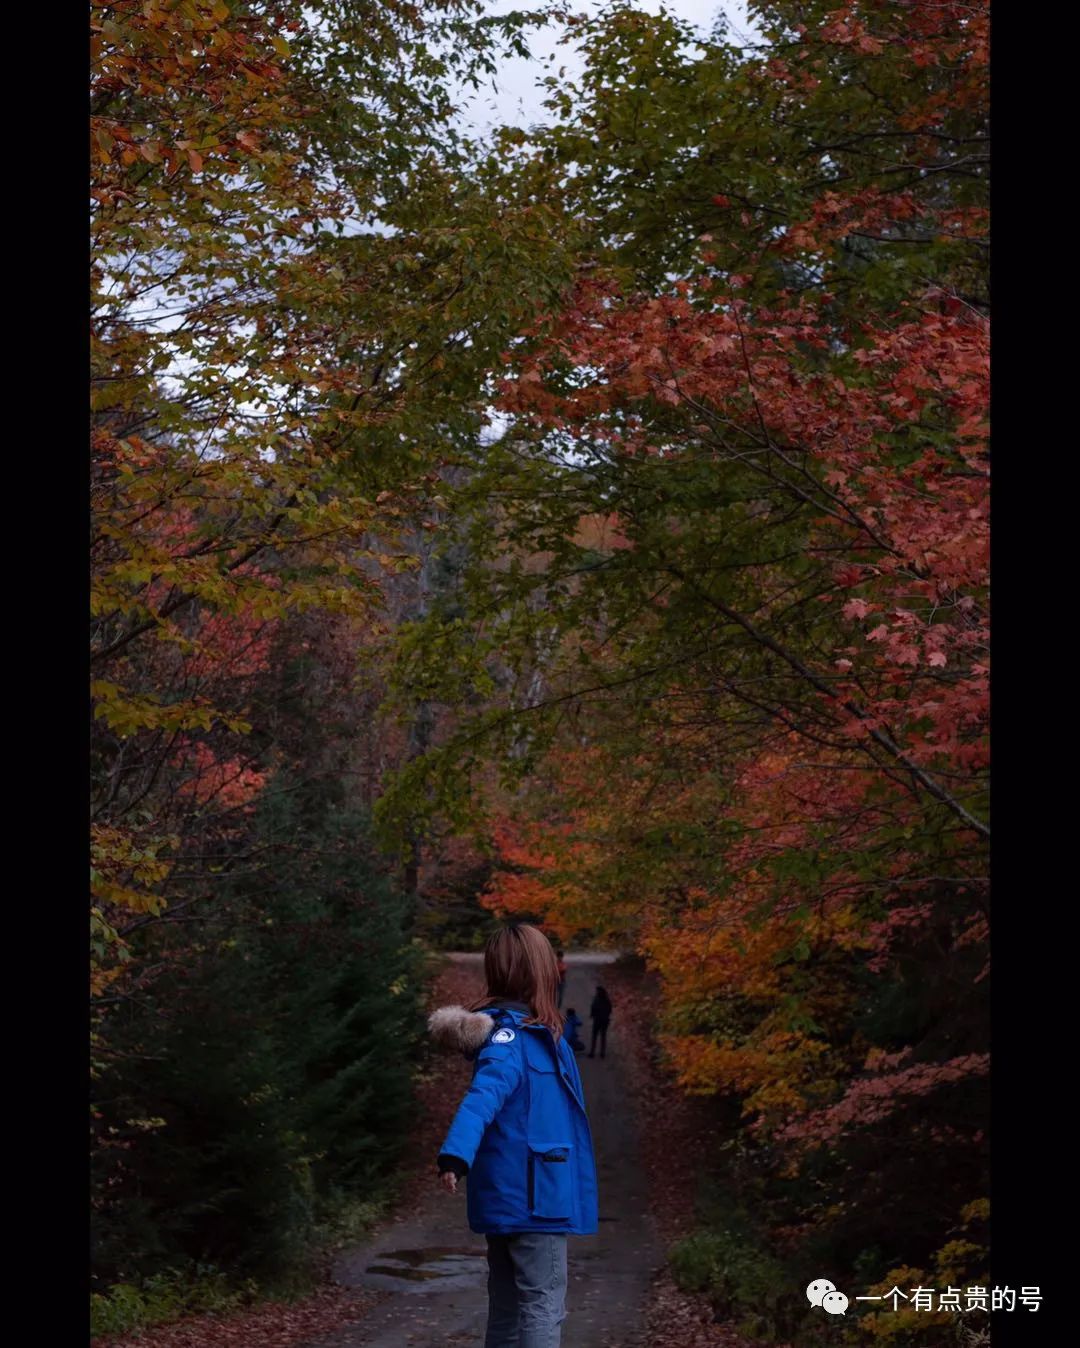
(523, 1133)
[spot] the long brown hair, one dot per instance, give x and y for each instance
(520, 966)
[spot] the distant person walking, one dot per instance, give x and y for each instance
(561, 965)
(572, 1025)
(600, 1011)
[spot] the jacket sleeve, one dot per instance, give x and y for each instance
(497, 1076)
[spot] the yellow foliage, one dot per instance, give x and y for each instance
(959, 1263)
(126, 873)
(773, 1071)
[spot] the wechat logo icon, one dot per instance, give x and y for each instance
(821, 1292)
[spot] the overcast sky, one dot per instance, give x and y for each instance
(517, 101)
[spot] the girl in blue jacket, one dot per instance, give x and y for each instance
(521, 1136)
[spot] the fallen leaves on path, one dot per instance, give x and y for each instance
(271, 1324)
(673, 1126)
(674, 1130)
(676, 1319)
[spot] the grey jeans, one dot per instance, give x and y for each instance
(526, 1290)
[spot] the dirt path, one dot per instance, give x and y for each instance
(433, 1270)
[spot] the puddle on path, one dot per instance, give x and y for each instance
(434, 1261)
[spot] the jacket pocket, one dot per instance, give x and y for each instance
(551, 1180)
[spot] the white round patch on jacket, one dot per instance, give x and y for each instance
(503, 1037)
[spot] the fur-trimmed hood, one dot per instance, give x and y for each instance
(454, 1027)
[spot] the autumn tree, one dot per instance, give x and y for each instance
(296, 294)
(302, 276)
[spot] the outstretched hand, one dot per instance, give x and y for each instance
(448, 1180)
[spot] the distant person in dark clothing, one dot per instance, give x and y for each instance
(571, 1024)
(560, 961)
(600, 1011)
